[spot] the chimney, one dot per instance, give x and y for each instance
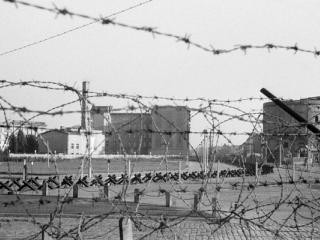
(84, 107)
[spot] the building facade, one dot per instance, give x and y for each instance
(129, 133)
(171, 125)
(144, 133)
(283, 133)
(70, 141)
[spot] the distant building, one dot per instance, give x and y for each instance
(171, 125)
(281, 129)
(130, 131)
(71, 141)
(100, 116)
(142, 133)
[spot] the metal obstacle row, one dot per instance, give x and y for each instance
(34, 184)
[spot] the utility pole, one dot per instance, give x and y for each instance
(86, 126)
(205, 156)
(280, 153)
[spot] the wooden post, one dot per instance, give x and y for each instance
(136, 195)
(125, 228)
(214, 207)
(45, 236)
(196, 202)
(75, 191)
(256, 170)
(106, 191)
(44, 188)
(168, 199)
(179, 171)
(25, 170)
(293, 171)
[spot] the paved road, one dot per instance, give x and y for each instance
(190, 229)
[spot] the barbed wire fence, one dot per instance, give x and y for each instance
(218, 197)
(247, 208)
(186, 39)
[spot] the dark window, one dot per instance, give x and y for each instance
(316, 119)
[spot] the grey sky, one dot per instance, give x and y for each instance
(125, 61)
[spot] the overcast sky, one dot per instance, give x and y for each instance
(125, 61)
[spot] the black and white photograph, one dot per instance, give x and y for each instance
(159, 119)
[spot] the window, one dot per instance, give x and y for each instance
(316, 119)
(77, 146)
(72, 145)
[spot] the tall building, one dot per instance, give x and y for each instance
(283, 132)
(129, 132)
(171, 125)
(144, 133)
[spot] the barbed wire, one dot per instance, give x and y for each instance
(186, 39)
(246, 192)
(64, 11)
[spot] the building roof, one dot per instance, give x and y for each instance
(314, 100)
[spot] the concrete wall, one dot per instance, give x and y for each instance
(170, 119)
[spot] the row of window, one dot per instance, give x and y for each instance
(72, 146)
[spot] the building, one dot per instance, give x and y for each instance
(143, 133)
(129, 132)
(100, 116)
(171, 125)
(71, 141)
(284, 135)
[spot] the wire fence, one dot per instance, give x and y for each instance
(148, 161)
(205, 191)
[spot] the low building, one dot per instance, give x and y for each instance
(71, 141)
